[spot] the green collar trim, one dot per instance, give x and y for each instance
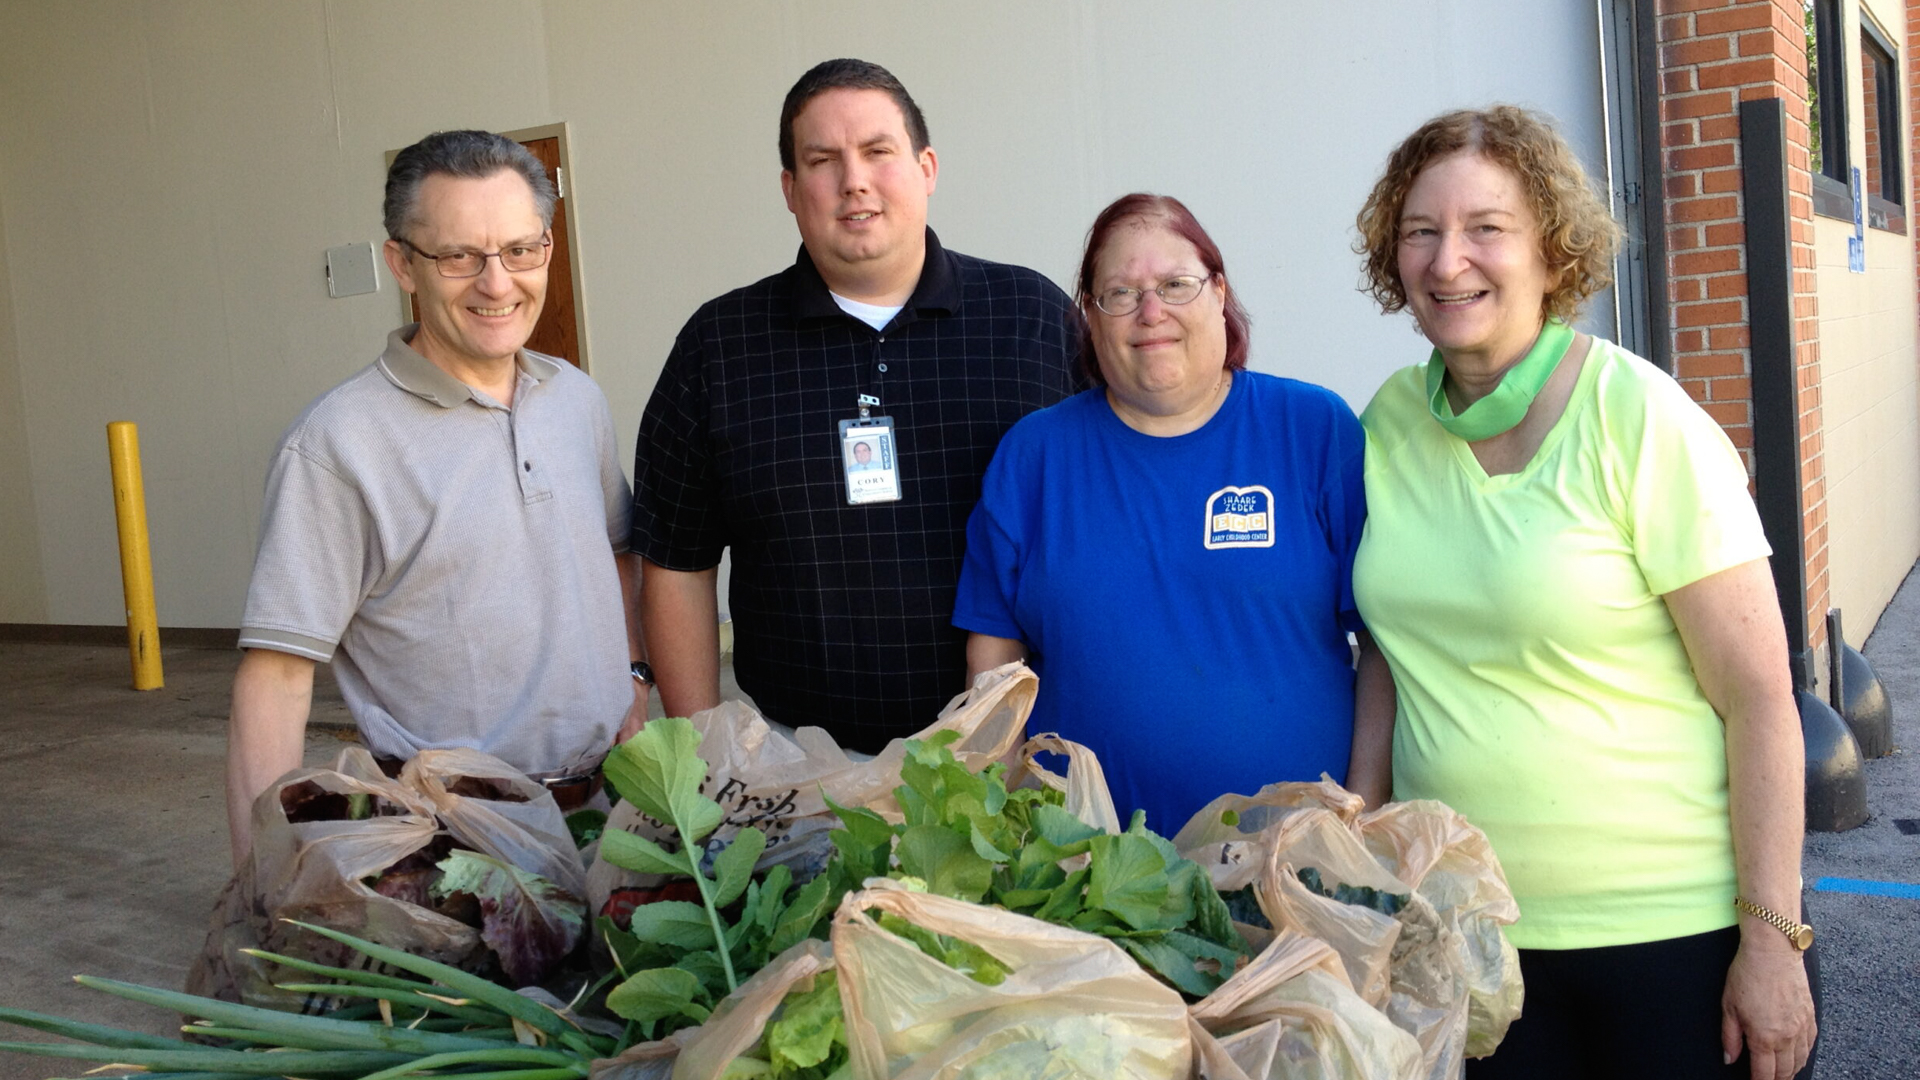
(1502, 410)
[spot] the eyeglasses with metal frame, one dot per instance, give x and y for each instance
(514, 258)
(1125, 299)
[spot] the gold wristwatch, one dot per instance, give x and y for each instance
(1798, 933)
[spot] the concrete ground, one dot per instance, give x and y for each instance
(113, 844)
(1870, 945)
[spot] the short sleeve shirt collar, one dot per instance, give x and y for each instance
(937, 290)
(425, 379)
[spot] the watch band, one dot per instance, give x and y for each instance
(1798, 933)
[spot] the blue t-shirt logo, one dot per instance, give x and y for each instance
(1240, 518)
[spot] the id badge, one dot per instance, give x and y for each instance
(870, 459)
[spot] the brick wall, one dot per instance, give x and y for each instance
(1913, 116)
(1713, 55)
(1870, 126)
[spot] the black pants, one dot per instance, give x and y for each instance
(1626, 1011)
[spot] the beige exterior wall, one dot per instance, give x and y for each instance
(1870, 387)
(22, 588)
(172, 172)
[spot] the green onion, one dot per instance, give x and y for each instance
(97, 1034)
(343, 1034)
(570, 1064)
(411, 998)
(473, 986)
(243, 1062)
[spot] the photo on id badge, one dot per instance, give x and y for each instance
(867, 455)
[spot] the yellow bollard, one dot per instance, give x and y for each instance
(136, 561)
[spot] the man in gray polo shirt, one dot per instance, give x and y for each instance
(448, 527)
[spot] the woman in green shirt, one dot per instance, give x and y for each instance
(1569, 581)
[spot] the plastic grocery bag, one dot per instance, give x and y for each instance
(1290, 1014)
(1072, 1004)
(737, 1024)
(1319, 840)
(780, 783)
(349, 848)
(1450, 863)
(1084, 785)
(488, 806)
(1234, 854)
(1408, 964)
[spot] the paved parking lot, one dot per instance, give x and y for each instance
(114, 844)
(1870, 944)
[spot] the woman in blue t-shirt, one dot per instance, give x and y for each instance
(1172, 551)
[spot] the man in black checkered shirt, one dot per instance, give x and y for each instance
(841, 609)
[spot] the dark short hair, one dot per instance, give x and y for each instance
(1167, 212)
(1578, 236)
(473, 155)
(846, 74)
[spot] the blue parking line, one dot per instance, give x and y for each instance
(1867, 888)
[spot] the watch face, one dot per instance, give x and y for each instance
(1802, 938)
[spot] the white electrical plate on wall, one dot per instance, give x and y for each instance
(350, 270)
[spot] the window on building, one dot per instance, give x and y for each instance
(1885, 179)
(1827, 109)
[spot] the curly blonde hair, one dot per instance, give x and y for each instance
(1578, 234)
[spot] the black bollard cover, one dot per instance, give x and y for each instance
(1836, 792)
(1864, 704)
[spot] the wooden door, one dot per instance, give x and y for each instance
(558, 331)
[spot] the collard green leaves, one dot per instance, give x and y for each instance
(638, 853)
(660, 772)
(966, 836)
(681, 958)
(963, 834)
(660, 994)
(734, 865)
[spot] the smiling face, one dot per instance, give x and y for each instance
(1161, 360)
(471, 324)
(1470, 261)
(858, 192)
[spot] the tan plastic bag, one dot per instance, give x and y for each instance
(779, 783)
(704, 1052)
(1450, 863)
(1085, 784)
(1291, 1015)
(316, 870)
(1235, 854)
(517, 820)
(1363, 938)
(1072, 1005)
(1407, 965)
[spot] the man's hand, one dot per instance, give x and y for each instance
(266, 734)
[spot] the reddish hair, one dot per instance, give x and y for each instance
(1167, 212)
(1578, 236)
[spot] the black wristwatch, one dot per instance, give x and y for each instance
(642, 671)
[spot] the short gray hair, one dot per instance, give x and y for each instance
(474, 155)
